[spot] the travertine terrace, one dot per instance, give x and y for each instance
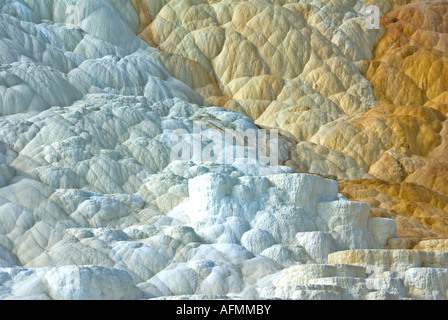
(112, 184)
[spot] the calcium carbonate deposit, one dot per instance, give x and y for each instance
(116, 180)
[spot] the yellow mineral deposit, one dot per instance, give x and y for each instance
(299, 68)
(95, 95)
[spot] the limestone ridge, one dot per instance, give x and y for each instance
(93, 206)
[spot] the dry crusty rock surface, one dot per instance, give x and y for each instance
(297, 66)
(96, 203)
(409, 80)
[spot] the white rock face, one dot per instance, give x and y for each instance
(94, 206)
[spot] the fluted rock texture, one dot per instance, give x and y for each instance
(118, 180)
(279, 62)
(302, 66)
(408, 77)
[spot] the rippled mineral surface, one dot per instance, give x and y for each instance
(206, 149)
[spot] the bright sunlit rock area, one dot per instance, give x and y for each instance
(201, 149)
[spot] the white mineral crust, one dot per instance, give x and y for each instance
(92, 205)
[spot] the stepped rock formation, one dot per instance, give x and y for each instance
(300, 71)
(118, 179)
